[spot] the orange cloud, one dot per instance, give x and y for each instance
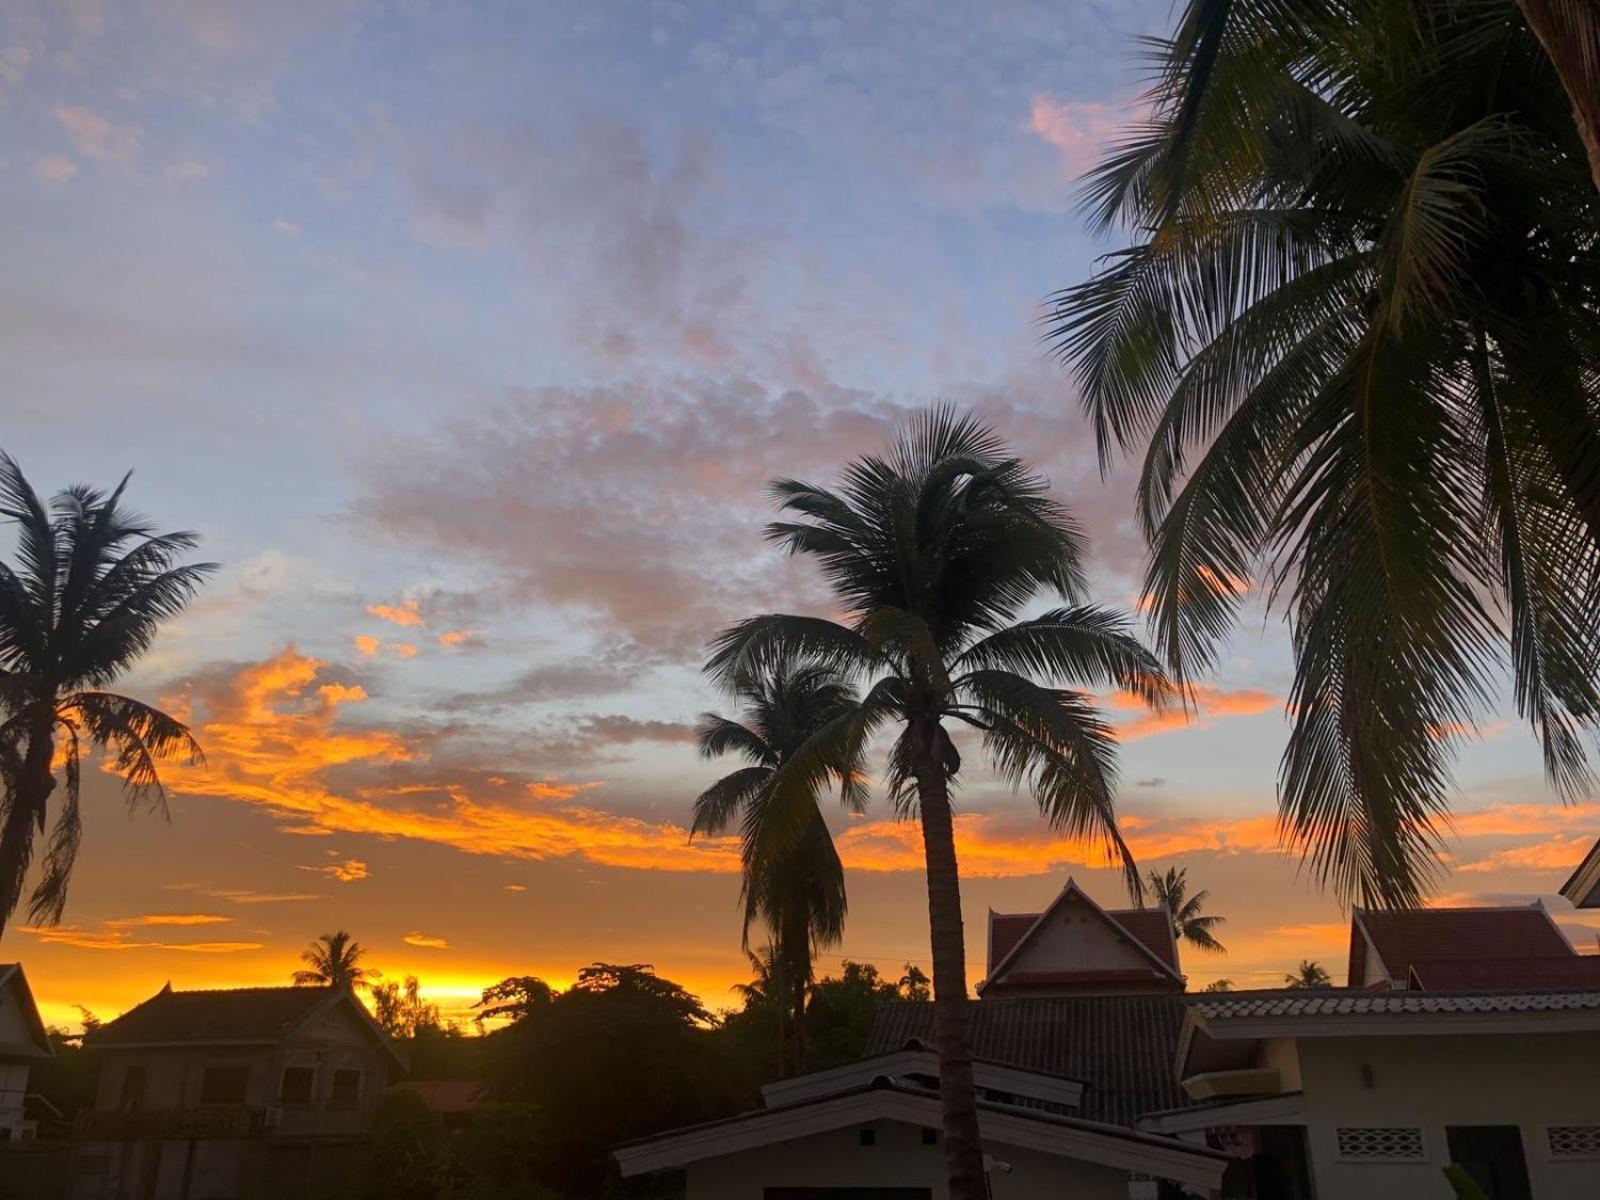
(117, 939)
(455, 637)
(427, 943)
(345, 872)
(167, 919)
(1206, 702)
(405, 614)
(367, 644)
(1560, 853)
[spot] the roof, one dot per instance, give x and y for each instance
(13, 978)
(1316, 1002)
(1428, 935)
(1499, 974)
(446, 1095)
(1067, 1137)
(232, 1016)
(1149, 931)
(1583, 889)
(1122, 1047)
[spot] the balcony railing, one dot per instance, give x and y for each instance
(218, 1121)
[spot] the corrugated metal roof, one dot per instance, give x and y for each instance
(1347, 1002)
(1122, 1047)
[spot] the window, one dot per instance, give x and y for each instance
(132, 1088)
(224, 1085)
(346, 1089)
(297, 1085)
(1361, 1144)
(1574, 1141)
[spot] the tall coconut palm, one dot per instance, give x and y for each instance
(1358, 341)
(91, 586)
(794, 886)
(334, 960)
(932, 554)
(1171, 892)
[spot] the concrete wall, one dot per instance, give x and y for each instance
(1531, 1081)
(897, 1159)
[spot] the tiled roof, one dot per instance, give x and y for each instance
(1418, 936)
(1148, 926)
(1331, 1002)
(237, 1015)
(1122, 1047)
(1499, 974)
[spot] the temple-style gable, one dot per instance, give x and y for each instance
(1075, 947)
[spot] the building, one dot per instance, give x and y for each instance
(228, 1095)
(23, 1041)
(1583, 889)
(1467, 1036)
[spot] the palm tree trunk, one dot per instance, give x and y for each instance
(952, 1016)
(797, 950)
(30, 794)
(1569, 31)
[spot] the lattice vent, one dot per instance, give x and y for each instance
(1381, 1145)
(1575, 1141)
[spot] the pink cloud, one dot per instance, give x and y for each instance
(1080, 130)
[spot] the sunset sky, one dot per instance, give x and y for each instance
(467, 338)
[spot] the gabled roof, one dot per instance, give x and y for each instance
(1148, 931)
(233, 1016)
(1003, 1124)
(1121, 1047)
(1419, 936)
(1499, 974)
(14, 983)
(1583, 889)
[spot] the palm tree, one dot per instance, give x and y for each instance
(1309, 974)
(334, 960)
(1357, 339)
(794, 886)
(1171, 892)
(92, 584)
(932, 553)
(1569, 31)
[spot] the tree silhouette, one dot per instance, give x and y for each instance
(1354, 340)
(932, 553)
(92, 584)
(1309, 974)
(795, 886)
(334, 960)
(1171, 891)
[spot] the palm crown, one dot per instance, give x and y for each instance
(92, 584)
(334, 960)
(1358, 338)
(1171, 891)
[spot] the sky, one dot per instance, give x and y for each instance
(467, 337)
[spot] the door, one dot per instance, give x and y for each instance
(1492, 1155)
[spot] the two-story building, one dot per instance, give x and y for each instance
(231, 1095)
(23, 1041)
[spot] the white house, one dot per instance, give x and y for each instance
(227, 1095)
(23, 1041)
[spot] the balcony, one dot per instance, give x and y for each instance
(215, 1121)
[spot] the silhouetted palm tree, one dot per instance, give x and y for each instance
(92, 584)
(334, 960)
(1171, 891)
(1308, 974)
(1357, 344)
(795, 886)
(932, 554)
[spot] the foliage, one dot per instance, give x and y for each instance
(334, 960)
(1462, 1183)
(513, 998)
(401, 1010)
(794, 885)
(499, 1152)
(1171, 892)
(1218, 985)
(69, 1078)
(842, 1009)
(1356, 337)
(410, 1155)
(620, 1055)
(1309, 974)
(92, 584)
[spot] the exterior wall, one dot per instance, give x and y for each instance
(1531, 1081)
(897, 1159)
(13, 1092)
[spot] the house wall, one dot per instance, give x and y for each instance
(1529, 1080)
(897, 1159)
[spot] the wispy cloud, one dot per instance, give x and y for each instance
(349, 871)
(98, 138)
(406, 613)
(425, 941)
